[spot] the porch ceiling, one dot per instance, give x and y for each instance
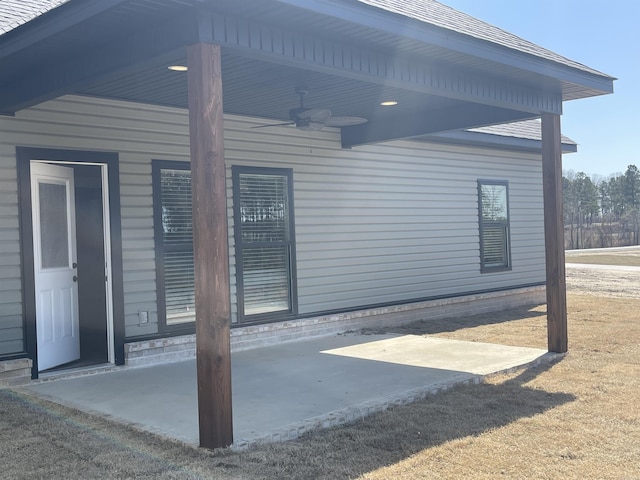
(262, 89)
(121, 49)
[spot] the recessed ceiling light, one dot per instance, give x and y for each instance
(177, 68)
(388, 103)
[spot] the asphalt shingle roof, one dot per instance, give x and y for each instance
(440, 15)
(527, 129)
(14, 13)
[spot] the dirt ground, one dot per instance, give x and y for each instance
(575, 419)
(611, 282)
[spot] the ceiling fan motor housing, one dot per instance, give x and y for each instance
(294, 113)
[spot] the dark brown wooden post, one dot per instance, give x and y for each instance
(554, 234)
(210, 246)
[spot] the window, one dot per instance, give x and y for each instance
(174, 243)
(493, 199)
(264, 242)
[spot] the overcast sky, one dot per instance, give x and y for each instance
(604, 35)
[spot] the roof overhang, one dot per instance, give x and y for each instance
(351, 56)
(475, 43)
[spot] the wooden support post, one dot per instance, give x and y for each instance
(210, 246)
(554, 234)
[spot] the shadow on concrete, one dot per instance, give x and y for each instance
(282, 391)
(394, 435)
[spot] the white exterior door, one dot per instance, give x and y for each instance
(54, 245)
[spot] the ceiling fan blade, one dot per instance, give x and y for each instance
(344, 121)
(318, 115)
(275, 125)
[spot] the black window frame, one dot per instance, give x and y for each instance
(505, 225)
(239, 246)
(156, 174)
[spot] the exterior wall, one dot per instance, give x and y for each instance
(374, 225)
(397, 221)
(138, 133)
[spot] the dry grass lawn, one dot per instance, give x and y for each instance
(629, 257)
(589, 423)
(576, 419)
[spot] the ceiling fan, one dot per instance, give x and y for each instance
(314, 118)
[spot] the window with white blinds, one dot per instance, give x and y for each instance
(493, 199)
(264, 242)
(174, 243)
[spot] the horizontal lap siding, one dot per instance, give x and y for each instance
(11, 335)
(419, 245)
(374, 224)
(394, 222)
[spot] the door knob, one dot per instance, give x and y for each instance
(75, 278)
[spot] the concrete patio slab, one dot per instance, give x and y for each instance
(282, 391)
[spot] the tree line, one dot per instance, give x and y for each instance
(601, 212)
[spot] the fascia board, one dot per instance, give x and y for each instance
(454, 41)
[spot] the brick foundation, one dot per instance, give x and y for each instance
(15, 372)
(171, 349)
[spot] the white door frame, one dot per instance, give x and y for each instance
(106, 228)
(107, 248)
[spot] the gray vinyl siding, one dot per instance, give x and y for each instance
(376, 224)
(398, 221)
(11, 333)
